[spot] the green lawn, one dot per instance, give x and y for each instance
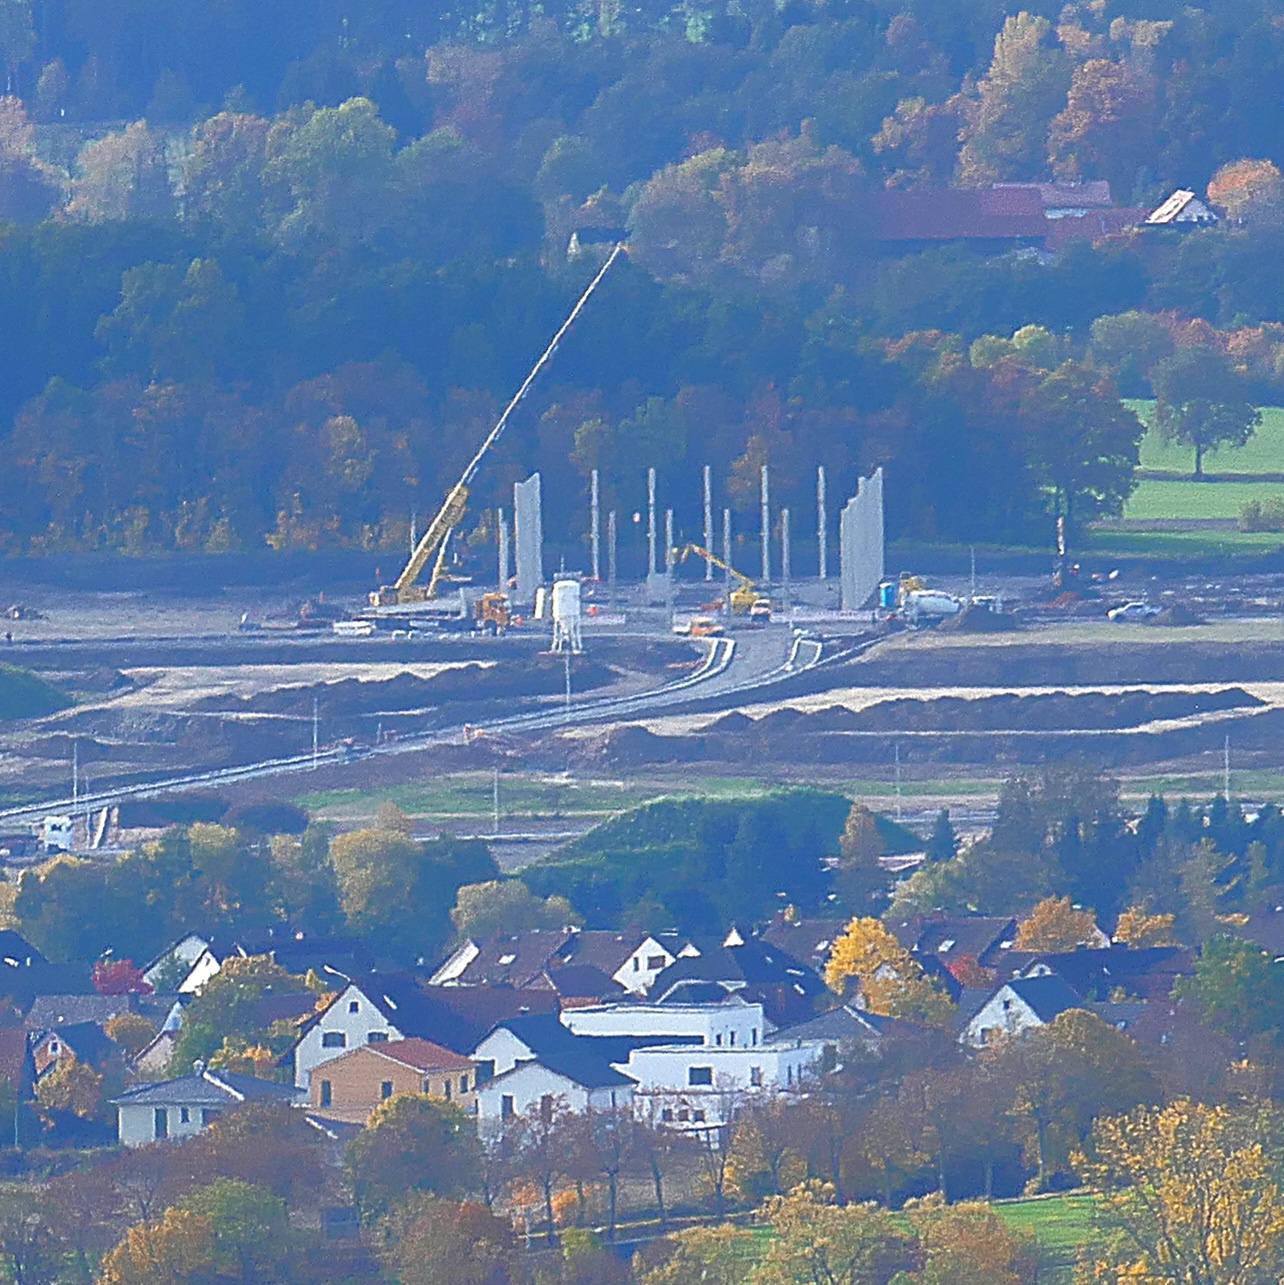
(1152, 499)
(1112, 542)
(1264, 452)
(1061, 1224)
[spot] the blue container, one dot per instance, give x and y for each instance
(887, 595)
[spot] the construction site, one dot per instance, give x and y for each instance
(726, 658)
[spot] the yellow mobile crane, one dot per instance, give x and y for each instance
(432, 545)
(745, 599)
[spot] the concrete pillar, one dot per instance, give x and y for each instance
(766, 527)
(650, 523)
(726, 552)
(822, 523)
(861, 542)
(784, 556)
(529, 532)
(708, 519)
(610, 554)
(595, 525)
(668, 542)
(503, 551)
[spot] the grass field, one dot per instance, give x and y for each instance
(1061, 1224)
(1264, 452)
(1163, 499)
(1112, 542)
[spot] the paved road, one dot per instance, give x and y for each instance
(750, 661)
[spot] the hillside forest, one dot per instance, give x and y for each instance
(266, 277)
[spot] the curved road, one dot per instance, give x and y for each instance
(747, 662)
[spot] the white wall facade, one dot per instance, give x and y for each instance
(502, 1049)
(136, 1125)
(643, 966)
(1004, 1013)
(352, 1016)
(528, 520)
(733, 1025)
(528, 1085)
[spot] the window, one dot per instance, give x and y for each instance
(697, 1075)
(377, 1037)
(160, 1123)
(506, 1106)
(637, 964)
(546, 1107)
(697, 1117)
(446, 1082)
(789, 1075)
(184, 1115)
(354, 1006)
(53, 1047)
(755, 1077)
(655, 963)
(753, 1037)
(385, 1090)
(732, 1038)
(717, 1039)
(463, 1084)
(1007, 1005)
(327, 1093)
(667, 1115)
(683, 1115)
(334, 1040)
(505, 960)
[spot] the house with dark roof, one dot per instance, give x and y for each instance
(86, 1043)
(1022, 1004)
(384, 1007)
(580, 1082)
(808, 940)
(951, 938)
(51, 1012)
(749, 967)
(1183, 209)
(1146, 973)
(177, 1109)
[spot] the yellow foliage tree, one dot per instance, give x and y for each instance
(177, 1249)
(71, 1087)
(703, 1256)
(891, 981)
(969, 1244)
(1054, 925)
(132, 1031)
(1196, 1193)
(1138, 928)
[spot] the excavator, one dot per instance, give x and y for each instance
(435, 540)
(745, 599)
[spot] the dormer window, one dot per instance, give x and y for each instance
(505, 960)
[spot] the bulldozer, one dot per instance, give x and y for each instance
(745, 599)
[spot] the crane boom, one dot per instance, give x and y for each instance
(433, 541)
(701, 552)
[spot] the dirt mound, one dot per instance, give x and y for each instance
(1177, 614)
(732, 724)
(978, 618)
(632, 745)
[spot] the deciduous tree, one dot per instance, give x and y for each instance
(1054, 926)
(1201, 402)
(176, 1250)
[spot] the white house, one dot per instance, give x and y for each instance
(1019, 1005)
(191, 959)
(356, 1016)
(177, 1109)
(582, 1084)
(686, 1086)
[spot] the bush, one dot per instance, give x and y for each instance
(1258, 515)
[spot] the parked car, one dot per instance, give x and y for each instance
(1133, 611)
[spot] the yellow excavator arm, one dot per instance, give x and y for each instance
(744, 598)
(681, 555)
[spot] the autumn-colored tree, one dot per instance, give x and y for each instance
(1195, 1191)
(411, 1143)
(817, 1242)
(1138, 927)
(29, 1237)
(891, 981)
(250, 1226)
(699, 1256)
(72, 1088)
(1251, 192)
(176, 1250)
(969, 1244)
(507, 905)
(859, 877)
(119, 977)
(1054, 926)
(1006, 130)
(425, 1240)
(132, 1031)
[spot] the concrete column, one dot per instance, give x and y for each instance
(503, 551)
(595, 525)
(528, 521)
(726, 552)
(861, 542)
(668, 542)
(822, 523)
(784, 556)
(610, 554)
(708, 519)
(650, 523)
(766, 527)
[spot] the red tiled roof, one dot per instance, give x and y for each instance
(423, 1055)
(1091, 227)
(951, 214)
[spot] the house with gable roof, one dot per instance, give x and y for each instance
(350, 1087)
(1022, 1004)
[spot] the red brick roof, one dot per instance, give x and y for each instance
(951, 214)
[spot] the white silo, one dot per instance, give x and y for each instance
(566, 616)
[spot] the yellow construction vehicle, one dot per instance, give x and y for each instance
(745, 598)
(432, 545)
(492, 613)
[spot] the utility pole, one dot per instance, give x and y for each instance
(726, 556)
(75, 773)
(566, 655)
(784, 559)
(1226, 770)
(898, 780)
(766, 526)
(610, 556)
(650, 523)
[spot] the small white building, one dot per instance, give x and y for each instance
(177, 1109)
(1022, 1004)
(587, 1084)
(191, 960)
